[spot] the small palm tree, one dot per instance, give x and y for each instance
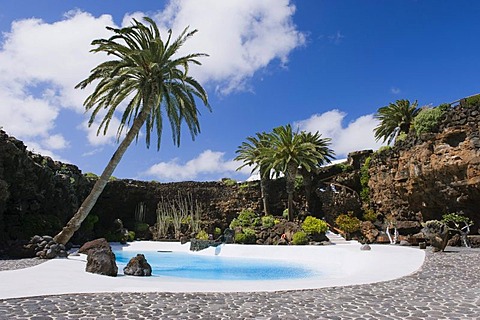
(250, 152)
(148, 72)
(394, 119)
(289, 152)
(326, 156)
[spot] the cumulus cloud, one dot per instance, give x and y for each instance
(40, 62)
(240, 36)
(355, 135)
(208, 162)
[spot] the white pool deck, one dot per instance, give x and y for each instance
(341, 265)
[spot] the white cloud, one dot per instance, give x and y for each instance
(208, 162)
(56, 142)
(240, 36)
(356, 135)
(40, 62)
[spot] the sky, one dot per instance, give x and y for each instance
(318, 65)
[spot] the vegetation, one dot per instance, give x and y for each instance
(300, 238)
(370, 215)
(395, 118)
(246, 218)
(428, 118)
(247, 236)
(141, 61)
(251, 153)
(290, 151)
(268, 221)
(229, 182)
(202, 235)
(348, 223)
(402, 136)
(344, 167)
(473, 100)
(364, 178)
(312, 225)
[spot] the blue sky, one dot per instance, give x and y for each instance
(322, 66)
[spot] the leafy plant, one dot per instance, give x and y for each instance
(202, 235)
(473, 101)
(247, 236)
(285, 213)
(364, 178)
(402, 136)
(384, 149)
(229, 182)
(312, 225)
(300, 238)
(370, 215)
(90, 175)
(268, 221)
(217, 232)
(348, 223)
(456, 221)
(344, 167)
(246, 218)
(427, 119)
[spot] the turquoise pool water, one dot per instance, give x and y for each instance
(190, 266)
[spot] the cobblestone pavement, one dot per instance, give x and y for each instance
(446, 287)
(19, 263)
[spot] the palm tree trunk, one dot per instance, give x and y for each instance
(290, 177)
(87, 205)
(264, 188)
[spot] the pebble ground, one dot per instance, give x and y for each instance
(446, 287)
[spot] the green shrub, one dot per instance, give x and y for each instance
(202, 235)
(300, 238)
(370, 215)
(344, 167)
(246, 237)
(473, 101)
(348, 223)
(268, 221)
(141, 226)
(90, 175)
(285, 213)
(402, 136)
(384, 149)
(229, 182)
(131, 235)
(246, 218)
(312, 225)
(364, 178)
(217, 232)
(427, 119)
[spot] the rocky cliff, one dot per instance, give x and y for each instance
(422, 178)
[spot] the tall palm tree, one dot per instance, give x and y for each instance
(394, 119)
(287, 154)
(149, 73)
(250, 152)
(327, 155)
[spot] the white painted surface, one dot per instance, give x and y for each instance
(343, 264)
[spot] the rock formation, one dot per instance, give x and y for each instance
(138, 266)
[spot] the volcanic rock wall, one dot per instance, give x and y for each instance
(424, 177)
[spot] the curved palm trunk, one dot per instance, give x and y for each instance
(87, 205)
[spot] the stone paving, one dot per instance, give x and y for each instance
(446, 287)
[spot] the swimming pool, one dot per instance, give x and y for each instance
(206, 267)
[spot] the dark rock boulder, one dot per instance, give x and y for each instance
(93, 245)
(101, 261)
(138, 266)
